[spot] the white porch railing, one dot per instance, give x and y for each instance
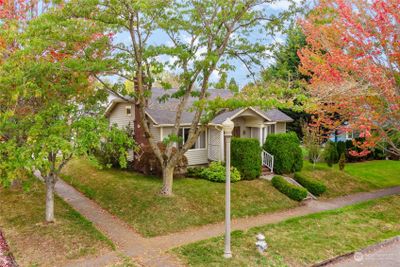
(268, 160)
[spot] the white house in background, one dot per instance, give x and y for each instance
(249, 122)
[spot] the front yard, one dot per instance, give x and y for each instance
(34, 243)
(356, 177)
(378, 173)
(303, 241)
(134, 198)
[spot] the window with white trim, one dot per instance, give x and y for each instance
(349, 135)
(201, 140)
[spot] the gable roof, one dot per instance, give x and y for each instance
(164, 113)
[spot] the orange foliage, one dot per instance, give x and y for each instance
(353, 57)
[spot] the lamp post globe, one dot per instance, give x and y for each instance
(228, 126)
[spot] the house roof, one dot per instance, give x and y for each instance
(164, 112)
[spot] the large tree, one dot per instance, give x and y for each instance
(353, 57)
(49, 101)
(203, 37)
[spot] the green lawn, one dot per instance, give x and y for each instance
(380, 173)
(357, 177)
(34, 243)
(134, 198)
(303, 241)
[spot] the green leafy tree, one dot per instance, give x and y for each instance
(286, 65)
(221, 84)
(204, 37)
(49, 100)
(284, 72)
(312, 139)
(233, 86)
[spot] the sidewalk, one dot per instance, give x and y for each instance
(152, 251)
(127, 241)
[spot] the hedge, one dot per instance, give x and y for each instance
(313, 186)
(246, 157)
(287, 153)
(292, 191)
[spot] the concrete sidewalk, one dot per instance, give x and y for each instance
(152, 251)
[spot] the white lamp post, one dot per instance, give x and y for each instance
(227, 126)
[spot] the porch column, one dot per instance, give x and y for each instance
(222, 146)
(261, 127)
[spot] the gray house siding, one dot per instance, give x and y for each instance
(280, 127)
(119, 117)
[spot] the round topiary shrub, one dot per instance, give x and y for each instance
(285, 147)
(246, 157)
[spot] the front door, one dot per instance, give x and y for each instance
(236, 131)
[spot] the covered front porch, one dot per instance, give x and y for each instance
(249, 123)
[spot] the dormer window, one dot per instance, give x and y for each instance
(128, 111)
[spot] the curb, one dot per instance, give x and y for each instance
(368, 249)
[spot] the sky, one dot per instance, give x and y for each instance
(240, 74)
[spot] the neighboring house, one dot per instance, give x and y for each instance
(343, 133)
(249, 122)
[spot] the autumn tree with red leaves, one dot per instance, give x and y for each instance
(353, 57)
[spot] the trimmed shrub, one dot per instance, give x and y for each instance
(246, 157)
(341, 147)
(287, 153)
(330, 153)
(315, 187)
(149, 164)
(216, 173)
(292, 191)
(342, 162)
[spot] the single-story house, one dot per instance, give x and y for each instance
(250, 122)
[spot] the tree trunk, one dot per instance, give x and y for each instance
(168, 178)
(50, 184)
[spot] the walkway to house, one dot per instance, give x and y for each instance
(152, 251)
(128, 242)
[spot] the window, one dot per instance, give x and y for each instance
(128, 111)
(271, 128)
(201, 140)
(349, 135)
